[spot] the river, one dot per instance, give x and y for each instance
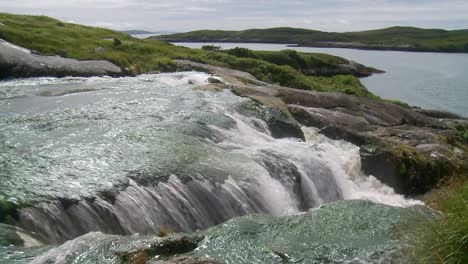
(140, 154)
(429, 80)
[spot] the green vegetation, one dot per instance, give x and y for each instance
(52, 37)
(396, 38)
(460, 133)
(211, 47)
(422, 170)
(286, 75)
(316, 64)
(445, 239)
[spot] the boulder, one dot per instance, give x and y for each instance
(17, 62)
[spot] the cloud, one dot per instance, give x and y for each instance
(184, 15)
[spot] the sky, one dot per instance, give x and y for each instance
(187, 15)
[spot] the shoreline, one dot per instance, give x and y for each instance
(341, 45)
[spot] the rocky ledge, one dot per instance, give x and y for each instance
(410, 150)
(16, 62)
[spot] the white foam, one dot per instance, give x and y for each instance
(341, 157)
(354, 184)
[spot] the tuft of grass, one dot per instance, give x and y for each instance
(444, 239)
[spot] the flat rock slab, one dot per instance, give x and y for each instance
(17, 62)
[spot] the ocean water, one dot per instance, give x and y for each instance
(429, 80)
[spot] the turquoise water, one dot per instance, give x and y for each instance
(429, 80)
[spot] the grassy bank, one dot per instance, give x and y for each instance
(445, 239)
(49, 36)
(52, 37)
(397, 38)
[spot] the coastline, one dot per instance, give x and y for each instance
(411, 150)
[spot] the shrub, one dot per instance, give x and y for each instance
(117, 42)
(211, 47)
(241, 52)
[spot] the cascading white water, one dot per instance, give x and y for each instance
(327, 171)
(239, 167)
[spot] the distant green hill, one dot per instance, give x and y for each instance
(394, 38)
(135, 32)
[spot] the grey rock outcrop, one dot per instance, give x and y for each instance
(16, 62)
(402, 147)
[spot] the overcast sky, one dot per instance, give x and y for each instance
(186, 15)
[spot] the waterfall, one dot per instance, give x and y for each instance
(244, 169)
(292, 176)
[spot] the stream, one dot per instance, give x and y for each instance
(138, 155)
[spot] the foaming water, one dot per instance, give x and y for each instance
(138, 155)
(355, 184)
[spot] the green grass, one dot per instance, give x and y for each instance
(419, 39)
(445, 239)
(53, 37)
(288, 76)
(316, 64)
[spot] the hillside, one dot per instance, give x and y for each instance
(394, 38)
(136, 31)
(48, 36)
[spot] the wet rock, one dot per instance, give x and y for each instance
(320, 118)
(167, 247)
(16, 62)
(214, 88)
(402, 147)
(188, 260)
(282, 126)
(232, 77)
(438, 114)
